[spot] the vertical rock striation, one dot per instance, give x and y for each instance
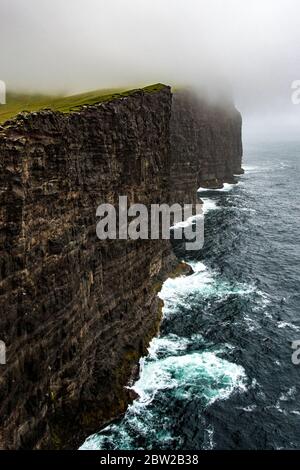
(206, 145)
(77, 312)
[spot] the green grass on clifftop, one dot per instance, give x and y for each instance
(17, 103)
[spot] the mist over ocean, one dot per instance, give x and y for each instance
(220, 375)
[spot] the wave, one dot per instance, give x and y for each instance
(203, 375)
(191, 370)
(163, 381)
(203, 283)
(251, 168)
(226, 187)
(208, 205)
(175, 371)
(186, 223)
(283, 324)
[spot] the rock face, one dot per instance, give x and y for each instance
(206, 145)
(77, 313)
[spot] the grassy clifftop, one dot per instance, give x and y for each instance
(66, 104)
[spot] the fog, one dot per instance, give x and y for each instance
(249, 47)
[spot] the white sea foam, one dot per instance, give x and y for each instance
(246, 209)
(278, 408)
(189, 221)
(208, 205)
(170, 368)
(170, 344)
(229, 186)
(284, 397)
(252, 325)
(203, 190)
(226, 187)
(177, 292)
(209, 438)
(248, 409)
(251, 168)
(289, 394)
(202, 375)
(283, 324)
(171, 372)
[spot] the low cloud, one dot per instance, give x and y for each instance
(251, 48)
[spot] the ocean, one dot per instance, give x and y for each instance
(220, 374)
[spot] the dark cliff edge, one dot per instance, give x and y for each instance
(206, 145)
(77, 313)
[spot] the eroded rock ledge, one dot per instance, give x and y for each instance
(77, 313)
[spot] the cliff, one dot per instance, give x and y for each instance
(77, 312)
(206, 145)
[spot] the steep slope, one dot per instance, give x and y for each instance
(206, 145)
(77, 312)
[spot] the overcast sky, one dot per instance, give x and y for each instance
(251, 47)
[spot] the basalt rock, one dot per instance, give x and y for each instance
(77, 313)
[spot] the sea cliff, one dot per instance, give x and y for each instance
(77, 313)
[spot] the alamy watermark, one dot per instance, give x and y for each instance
(296, 353)
(2, 352)
(2, 92)
(157, 221)
(295, 97)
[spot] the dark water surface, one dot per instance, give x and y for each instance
(220, 374)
